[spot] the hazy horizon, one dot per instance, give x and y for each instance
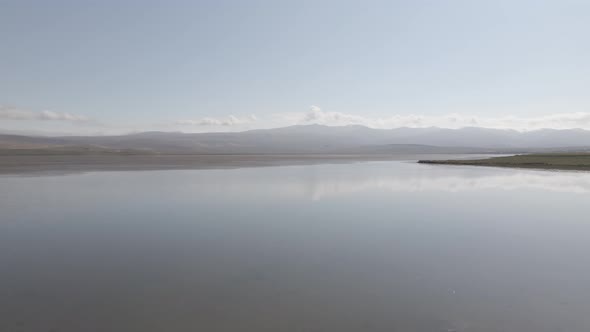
(42, 133)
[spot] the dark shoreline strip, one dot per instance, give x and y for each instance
(564, 161)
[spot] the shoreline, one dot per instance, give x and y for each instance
(561, 161)
(60, 164)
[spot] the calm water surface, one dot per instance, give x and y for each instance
(384, 246)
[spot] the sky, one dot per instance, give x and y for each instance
(109, 67)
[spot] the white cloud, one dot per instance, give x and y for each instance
(61, 116)
(453, 120)
(226, 121)
(13, 113)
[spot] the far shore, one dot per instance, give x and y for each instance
(72, 163)
(552, 161)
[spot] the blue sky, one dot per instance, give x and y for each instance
(121, 66)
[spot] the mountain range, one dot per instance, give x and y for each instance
(318, 139)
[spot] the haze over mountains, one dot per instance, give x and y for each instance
(318, 139)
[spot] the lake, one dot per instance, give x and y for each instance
(375, 246)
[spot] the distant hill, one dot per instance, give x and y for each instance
(319, 139)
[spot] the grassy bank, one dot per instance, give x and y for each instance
(564, 161)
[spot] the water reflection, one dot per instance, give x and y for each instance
(326, 181)
(449, 181)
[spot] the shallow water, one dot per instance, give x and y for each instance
(380, 246)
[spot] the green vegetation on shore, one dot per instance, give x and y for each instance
(563, 161)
